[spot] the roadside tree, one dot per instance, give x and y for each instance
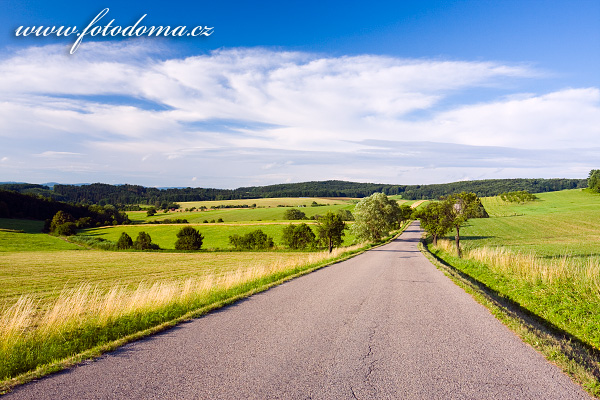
(434, 220)
(375, 217)
(331, 230)
(457, 209)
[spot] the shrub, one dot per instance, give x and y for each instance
(255, 240)
(298, 236)
(124, 242)
(59, 224)
(66, 229)
(144, 242)
(294, 214)
(188, 238)
(345, 215)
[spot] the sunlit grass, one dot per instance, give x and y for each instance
(36, 330)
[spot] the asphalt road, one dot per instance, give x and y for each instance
(383, 325)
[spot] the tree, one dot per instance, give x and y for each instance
(330, 230)
(457, 209)
(294, 214)
(63, 224)
(151, 211)
(375, 217)
(255, 240)
(594, 180)
(188, 238)
(346, 215)
(298, 236)
(124, 242)
(434, 220)
(144, 242)
(405, 213)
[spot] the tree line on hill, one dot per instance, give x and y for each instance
(24, 206)
(122, 195)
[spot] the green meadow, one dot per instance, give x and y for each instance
(271, 213)
(557, 224)
(216, 236)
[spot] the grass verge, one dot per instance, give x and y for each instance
(86, 321)
(551, 314)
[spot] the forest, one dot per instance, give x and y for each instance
(121, 195)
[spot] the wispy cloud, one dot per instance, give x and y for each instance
(235, 116)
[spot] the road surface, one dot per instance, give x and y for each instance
(383, 325)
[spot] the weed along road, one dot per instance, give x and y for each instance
(383, 325)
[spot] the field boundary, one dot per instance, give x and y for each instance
(578, 360)
(43, 370)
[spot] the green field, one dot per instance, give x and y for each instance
(558, 223)
(235, 214)
(216, 236)
(268, 202)
(31, 240)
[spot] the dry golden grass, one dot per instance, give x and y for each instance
(87, 304)
(582, 271)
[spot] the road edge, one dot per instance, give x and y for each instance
(571, 358)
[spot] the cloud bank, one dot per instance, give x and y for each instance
(126, 112)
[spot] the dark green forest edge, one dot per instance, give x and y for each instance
(102, 194)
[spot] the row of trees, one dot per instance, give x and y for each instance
(294, 214)
(188, 238)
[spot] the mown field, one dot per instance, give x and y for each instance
(266, 210)
(557, 224)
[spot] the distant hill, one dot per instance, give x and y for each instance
(101, 193)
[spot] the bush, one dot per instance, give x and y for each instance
(66, 229)
(124, 242)
(188, 238)
(59, 224)
(144, 242)
(294, 214)
(345, 215)
(255, 240)
(298, 236)
(151, 211)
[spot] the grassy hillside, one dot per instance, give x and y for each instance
(31, 239)
(558, 223)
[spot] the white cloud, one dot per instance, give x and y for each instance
(118, 103)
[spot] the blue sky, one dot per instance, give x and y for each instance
(404, 92)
